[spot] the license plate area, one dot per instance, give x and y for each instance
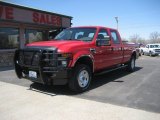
(32, 74)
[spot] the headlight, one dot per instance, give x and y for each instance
(66, 55)
(64, 59)
(153, 50)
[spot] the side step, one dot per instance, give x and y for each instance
(111, 69)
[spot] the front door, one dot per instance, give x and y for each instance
(103, 56)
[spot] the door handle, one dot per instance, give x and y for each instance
(93, 50)
(112, 48)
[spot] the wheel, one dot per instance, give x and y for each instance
(81, 78)
(150, 54)
(131, 64)
(145, 54)
(142, 53)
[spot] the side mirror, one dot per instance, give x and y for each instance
(104, 42)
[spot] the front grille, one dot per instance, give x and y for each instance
(157, 50)
(49, 58)
(46, 59)
(30, 58)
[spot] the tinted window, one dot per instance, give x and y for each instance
(115, 37)
(103, 37)
(102, 34)
(154, 46)
(85, 34)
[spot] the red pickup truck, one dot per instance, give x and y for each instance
(74, 56)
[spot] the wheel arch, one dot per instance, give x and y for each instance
(134, 54)
(85, 59)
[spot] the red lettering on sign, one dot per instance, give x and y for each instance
(53, 20)
(46, 19)
(1, 11)
(42, 19)
(35, 17)
(58, 19)
(9, 12)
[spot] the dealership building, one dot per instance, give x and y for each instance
(21, 25)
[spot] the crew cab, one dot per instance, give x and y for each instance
(74, 56)
(151, 49)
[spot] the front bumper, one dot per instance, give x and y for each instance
(44, 73)
(155, 53)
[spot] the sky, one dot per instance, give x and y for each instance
(140, 17)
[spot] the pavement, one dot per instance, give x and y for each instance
(138, 90)
(20, 103)
(116, 95)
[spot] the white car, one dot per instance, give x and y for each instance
(151, 49)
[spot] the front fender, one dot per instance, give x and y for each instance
(18, 69)
(79, 55)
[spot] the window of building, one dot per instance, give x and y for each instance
(33, 35)
(9, 38)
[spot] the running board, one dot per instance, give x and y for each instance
(109, 70)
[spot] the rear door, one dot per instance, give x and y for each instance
(117, 49)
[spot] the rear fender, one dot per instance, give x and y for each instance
(134, 53)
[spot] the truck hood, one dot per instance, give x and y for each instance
(63, 46)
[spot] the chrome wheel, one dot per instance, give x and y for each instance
(80, 78)
(83, 78)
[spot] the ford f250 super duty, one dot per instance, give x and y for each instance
(74, 56)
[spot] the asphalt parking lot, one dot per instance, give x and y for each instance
(139, 90)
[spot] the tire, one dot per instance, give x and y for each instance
(142, 53)
(80, 78)
(131, 64)
(150, 54)
(145, 54)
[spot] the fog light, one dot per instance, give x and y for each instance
(64, 63)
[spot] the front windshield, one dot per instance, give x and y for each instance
(154, 46)
(85, 34)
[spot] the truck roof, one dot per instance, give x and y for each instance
(154, 44)
(93, 27)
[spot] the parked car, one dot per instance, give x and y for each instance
(151, 49)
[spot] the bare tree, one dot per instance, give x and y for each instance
(142, 41)
(155, 37)
(134, 38)
(137, 39)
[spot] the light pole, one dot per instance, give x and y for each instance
(117, 21)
